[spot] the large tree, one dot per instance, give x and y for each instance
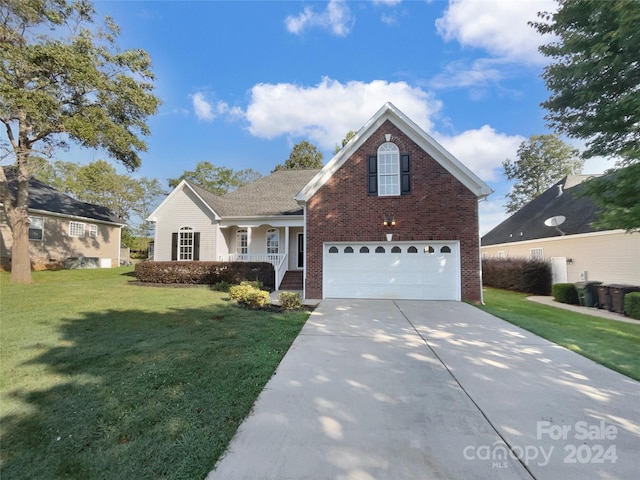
(303, 155)
(594, 74)
(542, 160)
(218, 180)
(63, 78)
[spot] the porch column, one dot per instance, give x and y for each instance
(286, 245)
(249, 241)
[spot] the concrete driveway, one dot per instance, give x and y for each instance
(383, 389)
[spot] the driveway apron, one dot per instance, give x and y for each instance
(383, 389)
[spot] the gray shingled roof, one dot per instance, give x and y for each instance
(46, 198)
(564, 198)
(270, 195)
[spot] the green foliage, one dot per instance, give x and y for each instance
(290, 300)
(304, 155)
(247, 294)
(565, 293)
(222, 286)
(217, 180)
(594, 74)
(618, 196)
(542, 160)
(62, 76)
(517, 274)
(632, 304)
(350, 134)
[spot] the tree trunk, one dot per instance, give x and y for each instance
(16, 211)
(20, 259)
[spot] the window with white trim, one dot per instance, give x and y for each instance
(185, 243)
(537, 254)
(36, 228)
(93, 231)
(242, 242)
(76, 229)
(273, 240)
(388, 169)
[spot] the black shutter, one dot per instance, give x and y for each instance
(174, 246)
(196, 246)
(372, 175)
(405, 175)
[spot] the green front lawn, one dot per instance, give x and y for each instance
(102, 379)
(613, 344)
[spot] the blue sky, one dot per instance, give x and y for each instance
(243, 81)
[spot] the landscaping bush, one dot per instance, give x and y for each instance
(205, 273)
(290, 300)
(565, 293)
(517, 274)
(632, 304)
(247, 294)
(222, 286)
(257, 298)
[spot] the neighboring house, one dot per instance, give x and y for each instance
(63, 228)
(558, 226)
(392, 215)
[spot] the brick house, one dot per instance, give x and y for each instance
(391, 215)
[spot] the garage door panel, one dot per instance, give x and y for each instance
(392, 274)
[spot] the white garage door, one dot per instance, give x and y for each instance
(402, 270)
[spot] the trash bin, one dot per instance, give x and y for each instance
(587, 293)
(604, 297)
(617, 293)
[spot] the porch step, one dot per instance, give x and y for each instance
(292, 280)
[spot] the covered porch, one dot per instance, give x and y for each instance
(279, 242)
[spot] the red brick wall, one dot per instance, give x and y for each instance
(438, 208)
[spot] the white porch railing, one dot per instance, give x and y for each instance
(278, 260)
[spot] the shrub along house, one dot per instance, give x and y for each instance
(63, 230)
(391, 215)
(558, 226)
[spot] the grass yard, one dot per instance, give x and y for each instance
(613, 344)
(103, 379)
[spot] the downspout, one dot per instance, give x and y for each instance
(304, 259)
(480, 252)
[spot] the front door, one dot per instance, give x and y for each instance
(300, 250)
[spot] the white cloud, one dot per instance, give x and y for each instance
(479, 75)
(336, 18)
(498, 26)
(208, 111)
(201, 107)
(324, 113)
(482, 150)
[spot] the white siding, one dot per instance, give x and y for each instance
(184, 209)
(609, 257)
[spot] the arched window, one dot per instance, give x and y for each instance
(348, 249)
(429, 249)
(396, 249)
(333, 250)
(364, 249)
(412, 250)
(388, 169)
(379, 249)
(445, 249)
(185, 243)
(242, 242)
(273, 240)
